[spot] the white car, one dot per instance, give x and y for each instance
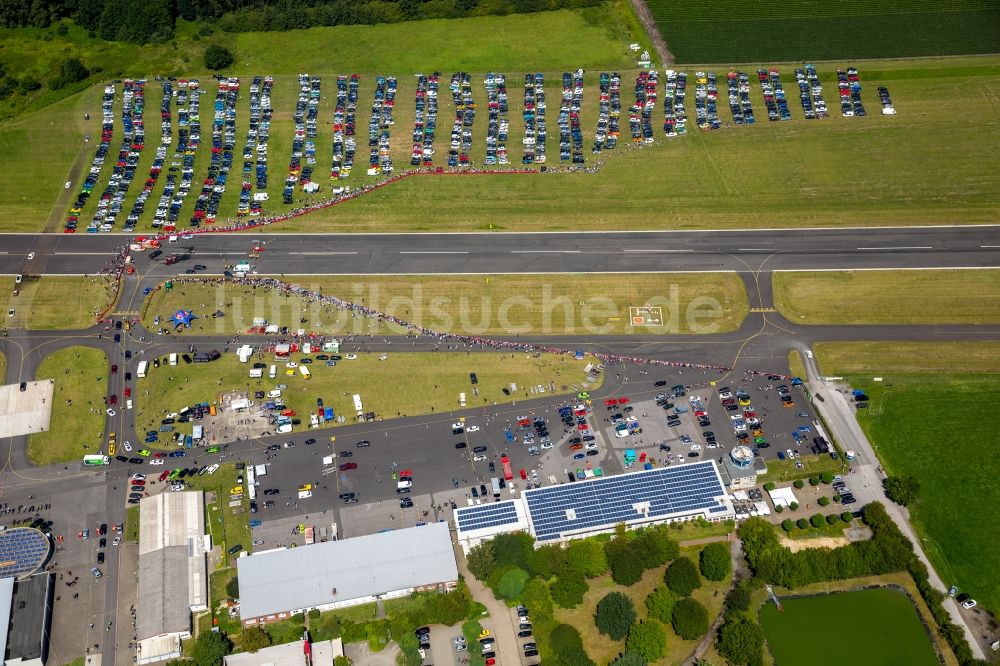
(969, 603)
(696, 447)
(127, 445)
(117, 541)
(213, 469)
(479, 457)
(546, 445)
(351, 357)
(138, 477)
(110, 411)
(473, 428)
(291, 364)
(156, 461)
(457, 424)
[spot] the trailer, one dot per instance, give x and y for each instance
(508, 473)
(141, 370)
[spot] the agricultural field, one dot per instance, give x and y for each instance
(800, 30)
(77, 424)
(889, 297)
(944, 451)
(404, 384)
(549, 305)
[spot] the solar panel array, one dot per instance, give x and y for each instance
(22, 550)
(607, 501)
(485, 515)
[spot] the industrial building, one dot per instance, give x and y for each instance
(298, 653)
(276, 584)
(173, 576)
(482, 522)
(26, 619)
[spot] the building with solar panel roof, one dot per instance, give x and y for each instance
(481, 522)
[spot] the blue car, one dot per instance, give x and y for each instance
(255, 523)
(176, 454)
(145, 292)
(151, 439)
(579, 456)
(781, 456)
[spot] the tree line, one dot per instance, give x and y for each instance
(152, 21)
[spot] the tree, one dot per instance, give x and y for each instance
(794, 506)
(802, 523)
(715, 561)
(218, 57)
(826, 477)
(689, 619)
(481, 560)
(847, 516)
(233, 587)
(660, 603)
(254, 639)
(628, 659)
(342, 661)
(647, 639)
(569, 588)
(568, 646)
(587, 556)
(832, 519)
(741, 642)
(788, 524)
(823, 501)
(799, 483)
(738, 598)
(72, 70)
(780, 508)
(28, 84)
(211, 647)
(769, 486)
(817, 520)
(626, 564)
(682, 577)
(614, 615)
(514, 548)
(409, 648)
(902, 490)
(512, 583)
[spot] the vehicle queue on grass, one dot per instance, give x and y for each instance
(255, 148)
(344, 127)
(425, 119)
(534, 119)
(497, 124)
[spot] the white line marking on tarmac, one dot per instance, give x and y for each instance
(320, 253)
(755, 249)
(545, 251)
(657, 251)
(900, 247)
(434, 252)
(986, 246)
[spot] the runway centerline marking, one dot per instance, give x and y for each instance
(434, 252)
(657, 251)
(899, 247)
(545, 251)
(320, 253)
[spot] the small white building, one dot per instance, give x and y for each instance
(481, 522)
(298, 653)
(782, 497)
(245, 353)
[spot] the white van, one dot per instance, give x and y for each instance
(173, 359)
(273, 372)
(404, 484)
(274, 394)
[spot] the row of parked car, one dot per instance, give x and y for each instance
(381, 120)
(344, 125)
(168, 209)
(609, 112)
(206, 206)
(139, 205)
(123, 172)
(465, 114)
(534, 119)
(497, 125)
(640, 117)
(738, 86)
(309, 93)
(811, 93)
(255, 148)
(774, 95)
(570, 134)
(706, 92)
(425, 119)
(849, 87)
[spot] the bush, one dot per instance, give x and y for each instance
(802, 523)
(568, 646)
(689, 619)
(511, 584)
(799, 483)
(823, 501)
(614, 615)
(780, 508)
(902, 490)
(28, 84)
(832, 519)
(715, 561)
(660, 604)
(847, 516)
(569, 588)
(738, 598)
(788, 524)
(628, 659)
(794, 506)
(233, 587)
(481, 560)
(205, 30)
(254, 639)
(647, 639)
(813, 480)
(741, 641)
(826, 477)
(769, 486)
(211, 647)
(218, 57)
(817, 520)
(314, 613)
(682, 577)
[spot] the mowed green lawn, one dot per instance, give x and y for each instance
(803, 30)
(496, 304)
(937, 427)
(76, 427)
(57, 302)
(889, 297)
(404, 384)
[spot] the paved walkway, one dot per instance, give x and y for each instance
(502, 624)
(839, 415)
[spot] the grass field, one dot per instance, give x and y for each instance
(747, 31)
(77, 429)
(132, 524)
(228, 525)
(883, 625)
(54, 302)
(795, 365)
(405, 383)
(889, 297)
(496, 304)
(602, 649)
(857, 171)
(945, 452)
(812, 465)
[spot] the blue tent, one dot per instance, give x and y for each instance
(182, 318)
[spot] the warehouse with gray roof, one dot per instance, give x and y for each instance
(276, 584)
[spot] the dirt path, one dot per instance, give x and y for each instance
(796, 545)
(499, 620)
(662, 52)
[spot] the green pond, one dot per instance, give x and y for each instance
(863, 628)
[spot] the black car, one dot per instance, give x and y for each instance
(310, 441)
(102, 543)
(526, 633)
(271, 491)
(405, 503)
(128, 376)
(493, 466)
(473, 378)
(136, 461)
(363, 444)
(24, 386)
(118, 337)
(482, 489)
(460, 445)
(121, 459)
(100, 557)
(402, 491)
(489, 655)
(253, 507)
(480, 449)
(531, 653)
(660, 382)
(693, 454)
(345, 496)
(274, 447)
(235, 549)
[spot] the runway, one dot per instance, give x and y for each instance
(756, 251)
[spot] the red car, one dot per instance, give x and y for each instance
(114, 369)
(347, 466)
(163, 476)
(113, 400)
(406, 472)
(128, 392)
